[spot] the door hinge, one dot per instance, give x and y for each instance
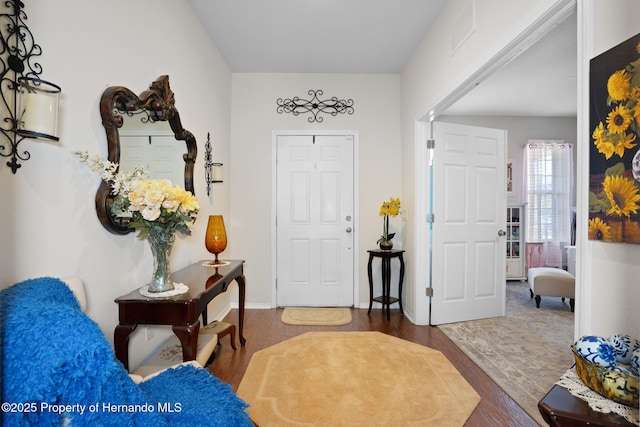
(431, 218)
(429, 292)
(431, 144)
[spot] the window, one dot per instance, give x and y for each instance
(549, 196)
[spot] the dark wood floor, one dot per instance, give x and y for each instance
(263, 328)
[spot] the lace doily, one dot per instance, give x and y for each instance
(572, 382)
(219, 264)
(178, 289)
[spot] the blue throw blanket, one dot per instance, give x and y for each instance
(57, 365)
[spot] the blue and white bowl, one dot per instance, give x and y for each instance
(613, 383)
(635, 363)
(623, 346)
(622, 369)
(596, 350)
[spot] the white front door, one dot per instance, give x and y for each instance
(469, 207)
(314, 221)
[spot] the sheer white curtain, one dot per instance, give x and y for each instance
(549, 196)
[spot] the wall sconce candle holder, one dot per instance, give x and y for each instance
(38, 103)
(213, 171)
(30, 103)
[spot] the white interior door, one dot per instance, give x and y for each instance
(469, 207)
(314, 221)
(161, 155)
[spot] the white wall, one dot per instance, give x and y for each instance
(254, 118)
(610, 271)
(49, 225)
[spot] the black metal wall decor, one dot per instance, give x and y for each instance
(29, 104)
(213, 171)
(314, 106)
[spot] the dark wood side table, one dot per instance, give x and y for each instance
(386, 299)
(560, 408)
(180, 311)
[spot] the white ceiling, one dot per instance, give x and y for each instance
(379, 36)
(539, 82)
(317, 36)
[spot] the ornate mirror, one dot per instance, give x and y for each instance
(151, 117)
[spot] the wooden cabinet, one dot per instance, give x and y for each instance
(516, 250)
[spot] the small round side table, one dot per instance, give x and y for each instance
(386, 299)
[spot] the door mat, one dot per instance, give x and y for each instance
(316, 316)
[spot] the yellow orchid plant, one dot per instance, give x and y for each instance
(390, 208)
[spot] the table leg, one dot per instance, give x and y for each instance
(121, 343)
(386, 285)
(241, 296)
(400, 283)
(370, 271)
(188, 336)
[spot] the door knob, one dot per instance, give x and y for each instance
(502, 233)
(348, 230)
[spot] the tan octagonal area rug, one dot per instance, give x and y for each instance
(354, 379)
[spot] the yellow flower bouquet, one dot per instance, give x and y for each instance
(156, 207)
(150, 203)
(390, 208)
(159, 203)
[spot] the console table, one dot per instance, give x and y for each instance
(180, 311)
(560, 408)
(386, 299)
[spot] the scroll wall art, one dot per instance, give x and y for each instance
(315, 106)
(614, 184)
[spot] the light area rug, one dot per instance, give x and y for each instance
(354, 379)
(526, 351)
(316, 316)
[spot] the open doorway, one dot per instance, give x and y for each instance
(550, 66)
(532, 96)
(502, 100)
(498, 94)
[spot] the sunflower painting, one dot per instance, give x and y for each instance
(614, 187)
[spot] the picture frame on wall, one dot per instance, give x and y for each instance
(509, 176)
(614, 153)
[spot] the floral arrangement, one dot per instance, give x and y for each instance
(390, 208)
(152, 204)
(618, 194)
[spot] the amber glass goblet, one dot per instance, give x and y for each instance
(216, 237)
